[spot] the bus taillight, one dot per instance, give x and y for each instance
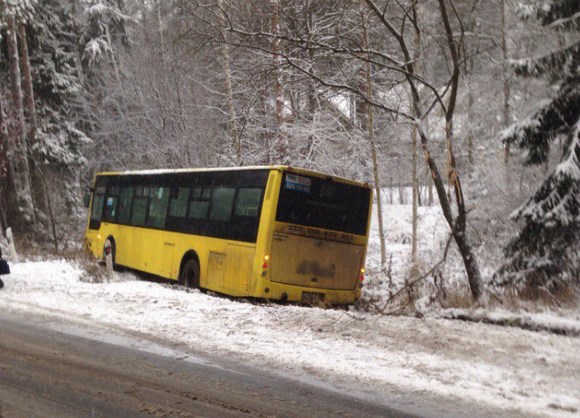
(266, 259)
(362, 274)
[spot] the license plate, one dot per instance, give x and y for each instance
(312, 298)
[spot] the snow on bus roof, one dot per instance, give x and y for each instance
(187, 170)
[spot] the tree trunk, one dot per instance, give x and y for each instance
(379, 203)
(38, 195)
(415, 186)
(19, 147)
(9, 214)
(457, 225)
(280, 140)
(309, 15)
(414, 197)
(506, 84)
(30, 106)
(160, 31)
(370, 130)
(470, 152)
(459, 229)
(228, 84)
(113, 56)
(429, 186)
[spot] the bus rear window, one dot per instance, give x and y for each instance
(323, 203)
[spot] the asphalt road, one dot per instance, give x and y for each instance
(47, 373)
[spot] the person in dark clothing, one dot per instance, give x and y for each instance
(4, 268)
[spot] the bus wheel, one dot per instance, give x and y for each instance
(190, 274)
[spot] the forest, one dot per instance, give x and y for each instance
(469, 106)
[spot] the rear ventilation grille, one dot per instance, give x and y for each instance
(315, 233)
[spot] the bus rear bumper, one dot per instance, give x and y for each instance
(309, 296)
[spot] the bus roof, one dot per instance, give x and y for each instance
(218, 169)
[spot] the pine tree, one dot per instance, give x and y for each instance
(16, 195)
(546, 251)
(103, 30)
(59, 95)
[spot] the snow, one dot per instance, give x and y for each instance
(96, 48)
(555, 201)
(194, 170)
(570, 165)
(432, 236)
(343, 103)
(509, 368)
(515, 370)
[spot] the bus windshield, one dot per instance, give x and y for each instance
(323, 203)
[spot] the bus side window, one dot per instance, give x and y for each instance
(125, 201)
(222, 201)
(111, 203)
(97, 209)
(248, 203)
(87, 197)
(139, 212)
(178, 202)
(199, 203)
(110, 213)
(158, 202)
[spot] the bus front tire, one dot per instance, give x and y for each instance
(190, 274)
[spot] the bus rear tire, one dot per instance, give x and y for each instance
(190, 274)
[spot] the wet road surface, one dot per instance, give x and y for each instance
(46, 373)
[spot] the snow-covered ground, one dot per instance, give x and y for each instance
(432, 237)
(519, 371)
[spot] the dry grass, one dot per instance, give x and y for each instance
(458, 297)
(93, 271)
(531, 298)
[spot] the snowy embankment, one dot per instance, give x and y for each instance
(431, 240)
(520, 371)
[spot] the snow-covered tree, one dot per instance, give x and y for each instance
(16, 197)
(103, 30)
(546, 251)
(59, 92)
(52, 98)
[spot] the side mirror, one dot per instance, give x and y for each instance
(87, 199)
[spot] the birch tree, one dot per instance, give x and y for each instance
(236, 145)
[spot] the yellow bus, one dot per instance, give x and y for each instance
(275, 232)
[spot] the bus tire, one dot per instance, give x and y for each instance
(190, 274)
